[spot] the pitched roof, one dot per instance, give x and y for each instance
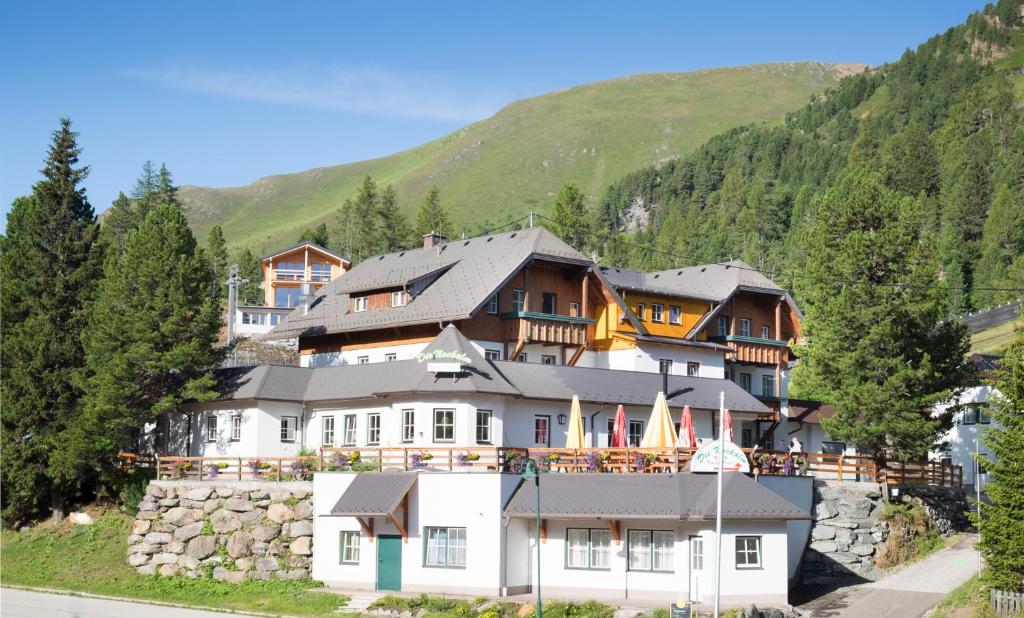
(467, 273)
(375, 494)
(305, 243)
(685, 495)
(704, 282)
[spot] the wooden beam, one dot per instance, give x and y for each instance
(585, 301)
(543, 531)
(613, 525)
(576, 355)
(405, 513)
(401, 529)
(520, 344)
(367, 526)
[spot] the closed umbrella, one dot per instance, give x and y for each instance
(728, 426)
(575, 437)
(619, 428)
(687, 437)
(660, 433)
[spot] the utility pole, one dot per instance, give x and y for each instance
(234, 280)
(531, 219)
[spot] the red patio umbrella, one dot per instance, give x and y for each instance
(619, 428)
(728, 426)
(687, 437)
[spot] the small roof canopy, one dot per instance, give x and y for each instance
(377, 494)
(687, 496)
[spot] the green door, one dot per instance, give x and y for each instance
(389, 562)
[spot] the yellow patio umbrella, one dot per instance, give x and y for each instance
(575, 437)
(660, 433)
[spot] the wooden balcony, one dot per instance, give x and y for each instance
(755, 350)
(532, 327)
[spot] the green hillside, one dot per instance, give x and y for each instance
(514, 161)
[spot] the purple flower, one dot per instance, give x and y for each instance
(593, 462)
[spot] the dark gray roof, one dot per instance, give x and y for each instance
(615, 386)
(989, 318)
(467, 273)
(279, 382)
(650, 496)
(705, 282)
(303, 244)
(705, 345)
(375, 494)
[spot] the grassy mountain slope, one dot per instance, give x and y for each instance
(514, 161)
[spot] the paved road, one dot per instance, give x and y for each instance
(25, 604)
(908, 593)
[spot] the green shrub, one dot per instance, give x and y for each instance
(132, 491)
(588, 609)
(911, 534)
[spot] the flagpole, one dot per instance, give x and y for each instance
(718, 503)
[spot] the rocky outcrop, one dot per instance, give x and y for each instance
(233, 530)
(947, 507)
(845, 532)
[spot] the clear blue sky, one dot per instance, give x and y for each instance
(226, 92)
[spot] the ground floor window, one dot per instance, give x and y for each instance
(542, 430)
(373, 428)
(652, 550)
(587, 548)
(288, 426)
(483, 426)
(328, 427)
(748, 552)
(444, 425)
(349, 547)
(696, 553)
(211, 428)
(236, 428)
(446, 547)
(408, 425)
(636, 433)
(349, 436)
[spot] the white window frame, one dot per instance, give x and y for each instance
(657, 312)
(652, 552)
(630, 424)
(522, 358)
(767, 385)
(749, 379)
(327, 431)
(492, 354)
(640, 310)
(483, 430)
(492, 305)
(744, 327)
(349, 430)
(692, 369)
(548, 359)
(390, 357)
(408, 425)
(349, 551)
(574, 310)
(675, 314)
(289, 428)
(518, 300)
(547, 429)
(723, 325)
(211, 428)
(362, 360)
(765, 332)
(444, 426)
(236, 427)
(373, 428)
(744, 551)
(448, 555)
(398, 298)
(360, 303)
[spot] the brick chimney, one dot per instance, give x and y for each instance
(433, 239)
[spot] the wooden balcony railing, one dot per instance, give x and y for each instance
(510, 459)
(546, 328)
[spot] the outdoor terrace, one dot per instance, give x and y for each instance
(552, 460)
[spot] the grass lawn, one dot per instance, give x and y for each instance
(92, 559)
(970, 600)
(992, 340)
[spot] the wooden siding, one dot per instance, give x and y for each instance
(305, 255)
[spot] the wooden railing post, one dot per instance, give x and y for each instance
(279, 470)
(380, 459)
(839, 468)
(450, 462)
(320, 460)
(201, 469)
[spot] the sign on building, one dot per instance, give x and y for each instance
(706, 458)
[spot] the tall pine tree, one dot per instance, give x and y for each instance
(217, 249)
(395, 233)
(570, 217)
(877, 349)
(1000, 524)
(49, 264)
(318, 235)
(150, 343)
(432, 216)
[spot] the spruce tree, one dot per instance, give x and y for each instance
(1002, 243)
(1000, 524)
(250, 269)
(569, 215)
(395, 232)
(150, 342)
(217, 250)
(318, 235)
(432, 216)
(878, 349)
(49, 263)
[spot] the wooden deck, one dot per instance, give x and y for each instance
(554, 460)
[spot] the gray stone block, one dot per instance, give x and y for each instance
(302, 546)
(238, 505)
(156, 491)
(146, 569)
(138, 559)
(199, 494)
(189, 531)
(300, 528)
(293, 574)
(201, 547)
(235, 577)
(175, 547)
(188, 562)
(823, 533)
(266, 564)
(303, 510)
(266, 532)
(164, 558)
(179, 516)
(239, 544)
(862, 550)
(824, 547)
(144, 548)
(225, 521)
(158, 537)
(169, 502)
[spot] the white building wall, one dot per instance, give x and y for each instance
(962, 440)
(260, 433)
(647, 356)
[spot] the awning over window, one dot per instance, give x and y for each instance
(374, 494)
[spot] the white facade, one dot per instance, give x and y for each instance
(965, 437)
(500, 553)
(413, 422)
(647, 357)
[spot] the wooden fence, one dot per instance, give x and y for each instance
(1006, 603)
(510, 459)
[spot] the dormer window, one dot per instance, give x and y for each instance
(398, 299)
(518, 300)
(359, 303)
(492, 305)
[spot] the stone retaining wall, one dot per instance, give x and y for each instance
(946, 506)
(845, 532)
(237, 530)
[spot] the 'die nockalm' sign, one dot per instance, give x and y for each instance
(444, 355)
(706, 458)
